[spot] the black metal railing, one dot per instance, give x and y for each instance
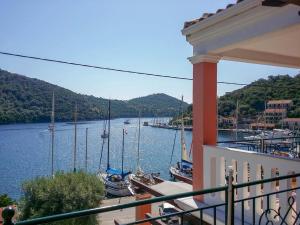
(277, 146)
(268, 214)
(224, 211)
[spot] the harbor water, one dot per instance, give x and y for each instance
(25, 150)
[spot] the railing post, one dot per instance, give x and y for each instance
(7, 215)
(230, 197)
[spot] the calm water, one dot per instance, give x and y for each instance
(25, 150)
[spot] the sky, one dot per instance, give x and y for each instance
(131, 35)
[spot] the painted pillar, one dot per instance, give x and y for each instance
(141, 210)
(204, 113)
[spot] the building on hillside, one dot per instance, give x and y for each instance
(279, 104)
(274, 116)
(291, 123)
(276, 110)
(227, 122)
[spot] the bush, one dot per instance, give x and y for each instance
(5, 200)
(65, 192)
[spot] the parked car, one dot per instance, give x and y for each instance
(166, 209)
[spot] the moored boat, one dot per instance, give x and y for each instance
(126, 122)
(183, 170)
(116, 181)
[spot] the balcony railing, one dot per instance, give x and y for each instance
(232, 210)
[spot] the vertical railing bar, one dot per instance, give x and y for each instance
(268, 202)
(230, 197)
(201, 216)
(215, 215)
(253, 210)
(226, 206)
(243, 208)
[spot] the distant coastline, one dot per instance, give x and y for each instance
(28, 100)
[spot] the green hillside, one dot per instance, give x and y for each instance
(24, 99)
(252, 97)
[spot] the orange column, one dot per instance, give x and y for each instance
(141, 210)
(204, 116)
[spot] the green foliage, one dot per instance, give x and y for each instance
(5, 200)
(24, 99)
(65, 192)
(252, 97)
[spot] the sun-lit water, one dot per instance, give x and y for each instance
(25, 150)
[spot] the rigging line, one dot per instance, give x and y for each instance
(175, 136)
(131, 71)
(173, 147)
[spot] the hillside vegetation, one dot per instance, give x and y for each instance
(252, 97)
(24, 99)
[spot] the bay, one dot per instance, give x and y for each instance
(25, 150)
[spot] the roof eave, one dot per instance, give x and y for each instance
(221, 16)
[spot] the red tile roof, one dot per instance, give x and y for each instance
(206, 15)
(274, 3)
(279, 101)
(275, 110)
(291, 120)
(270, 125)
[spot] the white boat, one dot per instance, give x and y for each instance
(104, 134)
(183, 170)
(140, 175)
(275, 134)
(116, 181)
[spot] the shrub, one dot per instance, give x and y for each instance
(65, 192)
(5, 200)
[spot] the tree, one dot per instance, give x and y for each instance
(5, 200)
(65, 192)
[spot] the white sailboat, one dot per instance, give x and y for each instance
(115, 180)
(104, 134)
(184, 168)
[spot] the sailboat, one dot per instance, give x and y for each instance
(115, 180)
(104, 134)
(140, 175)
(184, 168)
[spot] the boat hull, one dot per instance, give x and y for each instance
(117, 188)
(181, 176)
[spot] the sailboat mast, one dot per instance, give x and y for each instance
(52, 136)
(182, 130)
(123, 152)
(236, 118)
(75, 137)
(108, 139)
(138, 146)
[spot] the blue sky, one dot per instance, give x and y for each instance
(133, 35)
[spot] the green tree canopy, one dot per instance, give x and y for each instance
(5, 200)
(65, 192)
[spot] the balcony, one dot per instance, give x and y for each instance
(272, 200)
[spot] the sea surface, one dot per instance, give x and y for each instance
(25, 149)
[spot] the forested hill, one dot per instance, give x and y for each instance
(252, 97)
(24, 99)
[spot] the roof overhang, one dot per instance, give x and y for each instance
(250, 32)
